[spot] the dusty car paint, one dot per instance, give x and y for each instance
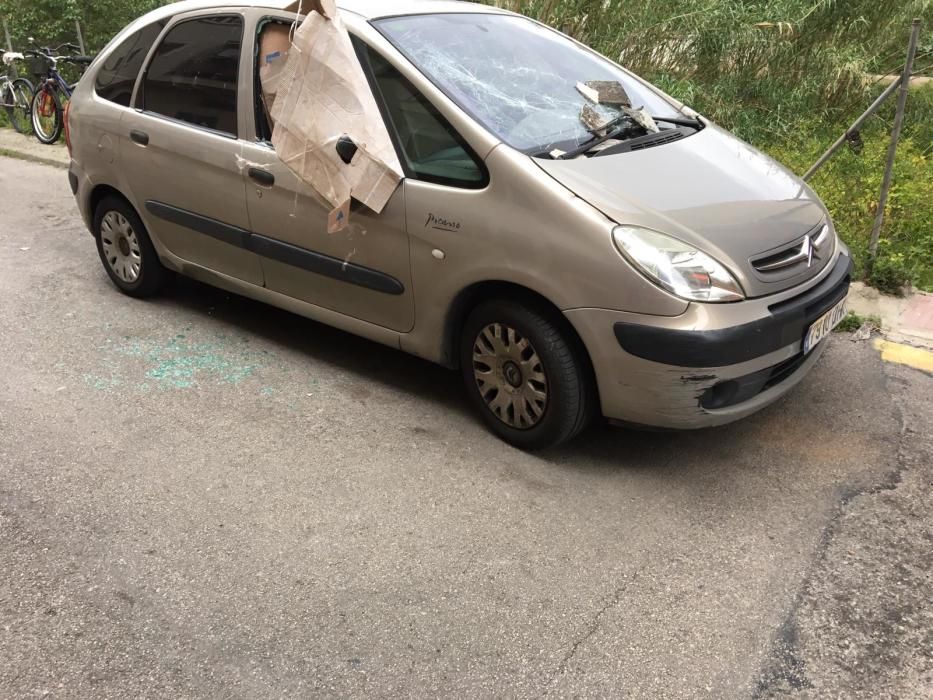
(539, 225)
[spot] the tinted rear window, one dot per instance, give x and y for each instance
(116, 78)
(193, 74)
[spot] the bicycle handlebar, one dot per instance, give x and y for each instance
(49, 51)
(77, 60)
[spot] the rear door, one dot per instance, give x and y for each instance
(362, 271)
(180, 149)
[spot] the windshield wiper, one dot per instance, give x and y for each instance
(597, 139)
(680, 121)
(592, 143)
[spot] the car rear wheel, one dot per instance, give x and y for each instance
(525, 374)
(126, 251)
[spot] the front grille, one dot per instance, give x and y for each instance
(735, 391)
(799, 254)
(782, 371)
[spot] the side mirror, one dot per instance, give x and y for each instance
(346, 149)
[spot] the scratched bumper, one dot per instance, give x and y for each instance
(671, 374)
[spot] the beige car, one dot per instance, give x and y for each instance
(657, 272)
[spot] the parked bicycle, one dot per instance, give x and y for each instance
(52, 90)
(16, 96)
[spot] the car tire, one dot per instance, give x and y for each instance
(126, 251)
(526, 374)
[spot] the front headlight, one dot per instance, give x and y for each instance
(676, 266)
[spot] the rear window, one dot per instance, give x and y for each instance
(117, 77)
(193, 74)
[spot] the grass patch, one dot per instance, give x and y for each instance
(853, 321)
(790, 76)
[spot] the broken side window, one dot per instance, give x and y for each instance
(194, 72)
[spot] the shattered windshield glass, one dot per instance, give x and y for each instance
(519, 79)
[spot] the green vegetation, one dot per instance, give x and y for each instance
(52, 22)
(786, 75)
(789, 76)
(852, 322)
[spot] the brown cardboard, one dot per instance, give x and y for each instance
(339, 218)
(274, 45)
(321, 96)
(327, 8)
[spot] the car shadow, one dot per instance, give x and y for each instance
(599, 448)
(367, 359)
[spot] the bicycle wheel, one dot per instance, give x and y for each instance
(18, 103)
(47, 117)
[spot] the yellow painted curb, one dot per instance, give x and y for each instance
(905, 355)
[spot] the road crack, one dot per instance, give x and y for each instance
(592, 627)
(785, 670)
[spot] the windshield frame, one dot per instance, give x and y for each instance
(676, 107)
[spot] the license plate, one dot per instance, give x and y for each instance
(823, 326)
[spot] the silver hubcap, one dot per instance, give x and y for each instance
(121, 247)
(510, 376)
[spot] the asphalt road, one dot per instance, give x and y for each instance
(204, 497)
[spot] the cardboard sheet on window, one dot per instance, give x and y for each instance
(321, 95)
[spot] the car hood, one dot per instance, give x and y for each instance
(713, 191)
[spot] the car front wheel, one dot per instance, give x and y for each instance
(525, 374)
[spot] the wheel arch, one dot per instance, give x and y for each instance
(99, 193)
(478, 292)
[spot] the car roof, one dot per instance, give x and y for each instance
(372, 9)
(368, 9)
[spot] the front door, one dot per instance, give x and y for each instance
(180, 149)
(362, 271)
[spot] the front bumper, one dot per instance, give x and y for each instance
(714, 364)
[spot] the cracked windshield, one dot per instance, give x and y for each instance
(516, 77)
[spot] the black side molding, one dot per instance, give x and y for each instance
(202, 224)
(728, 346)
(279, 251)
(324, 265)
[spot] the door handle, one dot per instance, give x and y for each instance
(140, 137)
(262, 177)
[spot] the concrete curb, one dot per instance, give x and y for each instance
(906, 319)
(19, 155)
(16, 145)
